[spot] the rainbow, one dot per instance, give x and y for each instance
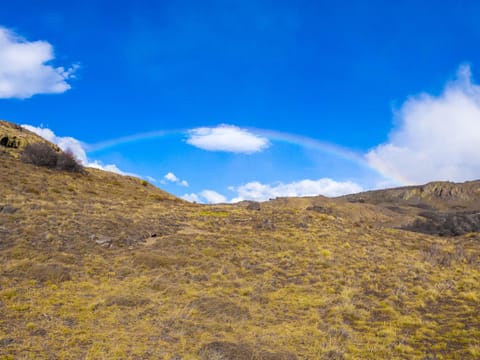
(128, 139)
(272, 135)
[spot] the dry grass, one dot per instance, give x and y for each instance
(100, 266)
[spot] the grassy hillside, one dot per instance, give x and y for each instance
(96, 265)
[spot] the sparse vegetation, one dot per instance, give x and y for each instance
(103, 267)
(40, 154)
(43, 154)
(66, 161)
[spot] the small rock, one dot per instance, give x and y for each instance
(6, 341)
(104, 241)
(7, 209)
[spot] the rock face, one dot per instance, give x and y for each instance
(438, 208)
(14, 138)
(446, 224)
(435, 195)
(10, 142)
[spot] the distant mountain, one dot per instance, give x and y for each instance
(443, 196)
(442, 208)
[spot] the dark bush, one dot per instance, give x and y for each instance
(67, 161)
(40, 154)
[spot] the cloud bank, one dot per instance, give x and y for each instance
(25, 69)
(227, 138)
(437, 137)
(261, 192)
(327, 187)
(76, 147)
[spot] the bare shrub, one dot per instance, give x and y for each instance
(40, 154)
(67, 161)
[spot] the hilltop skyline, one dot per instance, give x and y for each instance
(218, 102)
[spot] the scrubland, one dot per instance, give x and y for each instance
(96, 265)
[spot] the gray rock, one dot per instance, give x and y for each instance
(7, 209)
(104, 241)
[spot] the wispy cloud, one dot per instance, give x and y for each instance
(436, 137)
(227, 138)
(25, 68)
(258, 191)
(76, 147)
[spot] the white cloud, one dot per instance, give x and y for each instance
(191, 197)
(171, 177)
(437, 137)
(109, 167)
(213, 197)
(25, 68)
(262, 192)
(205, 196)
(226, 138)
(76, 147)
(327, 187)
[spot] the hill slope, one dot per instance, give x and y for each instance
(101, 266)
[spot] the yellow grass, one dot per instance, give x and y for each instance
(100, 266)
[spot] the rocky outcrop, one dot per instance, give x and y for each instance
(441, 195)
(10, 142)
(446, 224)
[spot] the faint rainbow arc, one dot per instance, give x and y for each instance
(271, 135)
(103, 145)
(338, 151)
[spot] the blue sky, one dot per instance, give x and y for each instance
(251, 99)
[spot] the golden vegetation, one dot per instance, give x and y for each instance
(100, 266)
